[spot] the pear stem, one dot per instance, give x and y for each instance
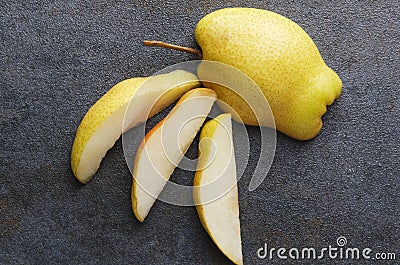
(156, 43)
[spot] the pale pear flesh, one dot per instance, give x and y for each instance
(165, 145)
(215, 189)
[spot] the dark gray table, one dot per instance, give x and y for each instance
(58, 57)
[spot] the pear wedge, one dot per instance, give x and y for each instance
(106, 120)
(164, 147)
(215, 190)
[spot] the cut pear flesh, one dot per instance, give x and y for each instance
(122, 107)
(215, 190)
(164, 147)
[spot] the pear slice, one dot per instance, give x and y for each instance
(106, 120)
(215, 190)
(164, 147)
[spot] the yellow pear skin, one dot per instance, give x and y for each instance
(280, 57)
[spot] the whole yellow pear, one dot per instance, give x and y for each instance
(282, 60)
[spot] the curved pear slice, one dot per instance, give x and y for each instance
(164, 147)
(104, 123)
(215, 190)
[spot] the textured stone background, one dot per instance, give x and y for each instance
(58, 57)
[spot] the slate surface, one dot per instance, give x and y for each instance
(58, 57)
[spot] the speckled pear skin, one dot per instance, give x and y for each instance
(280, 57)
